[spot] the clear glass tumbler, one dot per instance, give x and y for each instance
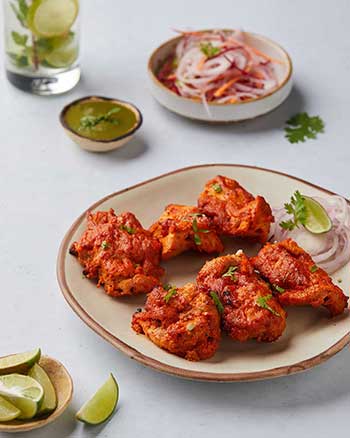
(42, 44)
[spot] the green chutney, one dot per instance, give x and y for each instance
(100, 120)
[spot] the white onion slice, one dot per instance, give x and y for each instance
(330, 251)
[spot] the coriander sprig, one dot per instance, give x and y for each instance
(217, 301)
(209, 50)
(170, 294)
(89, 122)
(296, 207)
(196, 230)
(129, 230)
(262, 302)
(231, 273)
(302, 126)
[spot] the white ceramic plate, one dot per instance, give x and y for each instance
(310, 338)
(230, 112)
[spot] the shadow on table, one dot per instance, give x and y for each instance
(276, 119)
(321, 385)
(136, 147)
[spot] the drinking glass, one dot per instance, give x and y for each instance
(42, 44)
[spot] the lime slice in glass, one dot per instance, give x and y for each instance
(63, 56)
(49, 402)
(101, 406)
(317, 219)
(20, 362)
(23, 392)
(50, 18)
(8, 411)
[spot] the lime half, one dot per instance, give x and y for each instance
(23, 392)
(63, 56)
(317, 219)
(50, 18)
(49, 402)
(101, 406)
(8, 411)
(20, 362)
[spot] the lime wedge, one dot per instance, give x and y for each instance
(20, 362)
(50, 18)
(317, 219)
(8, 411)
(23, 392)
(49, 402)
(63, 56)
(101, 406)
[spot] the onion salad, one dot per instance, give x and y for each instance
(218, 66)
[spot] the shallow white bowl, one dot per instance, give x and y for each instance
(229, 112)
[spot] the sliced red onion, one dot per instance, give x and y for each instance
(331, 250)
(197, 74)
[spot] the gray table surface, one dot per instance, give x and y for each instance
(46, 182)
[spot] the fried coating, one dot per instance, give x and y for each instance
(181, 228)
(235, 212)
(249, 309)
(300, 281)
(117, 252)
(186, 324)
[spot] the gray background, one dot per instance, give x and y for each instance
(46, 182)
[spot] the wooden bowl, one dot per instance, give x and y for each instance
(101, 145)
(63, 385)
(223, 112)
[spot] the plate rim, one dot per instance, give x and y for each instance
(132, 353)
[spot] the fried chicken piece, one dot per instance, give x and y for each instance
(249, 309)
(183, 321)
(119, 253)
(181, 228)
(300, 282)
(235, 211)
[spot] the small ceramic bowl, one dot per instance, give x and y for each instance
(101, 145)
(226, 112)
(63, 385)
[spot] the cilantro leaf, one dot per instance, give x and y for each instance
(262, 302)
(104, 245)
(279, 289)
(209, 50)
(231, 273)
(129, 230)
(197, 239)
(302, 126)
(313, 268)
(170, 294)
(217, 301)
(196, 214)
(167, 286)
(217, 187)
(89, 122)
(297, 209)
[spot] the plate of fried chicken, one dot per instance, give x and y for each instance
(182, 274)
